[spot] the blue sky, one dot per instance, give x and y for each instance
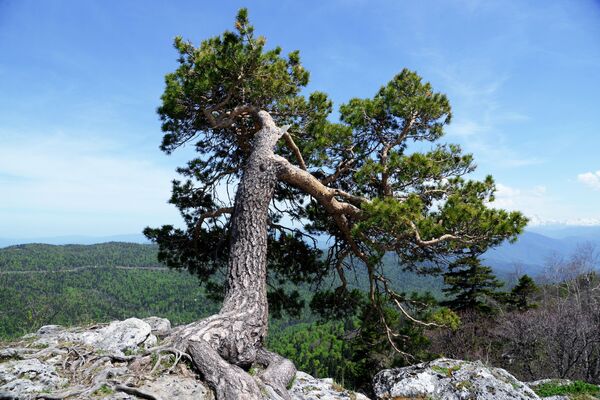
(80, 82)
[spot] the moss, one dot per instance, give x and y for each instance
(582, 397)
(310, 388)
(445, 371)
(289, 386)
(104, 391)
(153, 359)
(464, 385)
(130, 352)
(168, 362)
(39, 346)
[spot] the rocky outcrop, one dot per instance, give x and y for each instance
(129, 360)
(305, 387)
(121, 360)
(115, 338)
(446, 379)
(25, 378)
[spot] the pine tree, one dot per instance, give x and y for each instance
(470, 285)
(520, 297)
(245, 110)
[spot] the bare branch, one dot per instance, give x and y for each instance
(136, 392)
(309, 184)
(431, 242)
(214, 214)
(339, 266)
(396, 298)
(355, 200)
(289, 141)
(342, 167)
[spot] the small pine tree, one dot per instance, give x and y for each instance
(520, 296)
(470, 285)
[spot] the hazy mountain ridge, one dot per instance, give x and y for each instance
(75, 239)
(529, 253)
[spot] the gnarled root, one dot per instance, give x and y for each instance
(232, 382)
(220, 346)
(227, 380)
(278, 374)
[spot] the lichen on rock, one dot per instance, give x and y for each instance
(446, 379)
(121, 360)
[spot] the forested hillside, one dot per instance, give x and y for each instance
(45, 257)
(76, 284)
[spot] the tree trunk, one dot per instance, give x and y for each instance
(236, 335)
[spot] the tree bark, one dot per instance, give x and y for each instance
(219, 345)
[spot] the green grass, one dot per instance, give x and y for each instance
(576, 388)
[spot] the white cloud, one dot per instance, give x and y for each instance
(591, 179)
(540, 206)
(482, 121)
(530, 201)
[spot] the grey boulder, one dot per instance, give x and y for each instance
(446, 379)
(21, 377)
(118, 336)
(306, 387)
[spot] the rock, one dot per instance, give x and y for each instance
(49, 329)
(89, 362)
(178, 387)
(150, 342)
(306, 387)
(447, 379)
(19, 378)
(11, 352)
(118, 336)
(160, 326)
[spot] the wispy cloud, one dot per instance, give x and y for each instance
(526, 200)
(57, 176)
(590, 179)
(475, 86)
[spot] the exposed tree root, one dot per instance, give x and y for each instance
(95, 372)
(116, 377)
(136, 392)
(278, 374)
(227, 380)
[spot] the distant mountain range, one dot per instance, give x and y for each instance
(536, 245)
(530, 253)
(77, 239)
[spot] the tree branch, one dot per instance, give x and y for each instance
(383, 155)
(431, 242)
(211, 214)
(307, 182)
(289, 141)
(342, 167)
(224, 122)
(214, 214)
